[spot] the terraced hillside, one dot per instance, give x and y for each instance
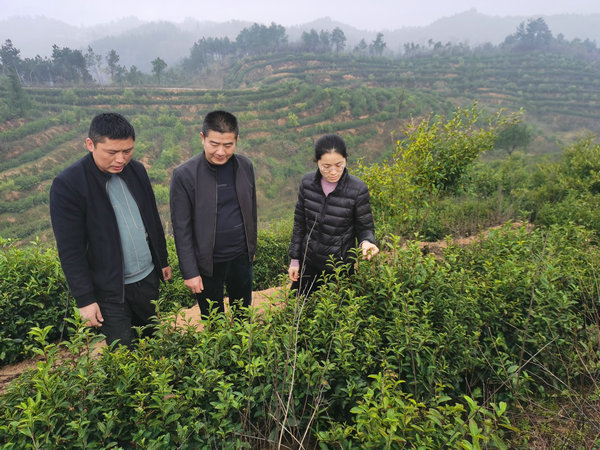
(559, 90)
(284, 102)
(278, 125)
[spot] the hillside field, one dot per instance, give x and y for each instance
(284, 103)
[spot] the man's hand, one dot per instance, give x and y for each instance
(91, 315)
(368, 250)
(167, 273)
(194, 284)
(294, 273)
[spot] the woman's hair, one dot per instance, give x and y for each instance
(330, 143)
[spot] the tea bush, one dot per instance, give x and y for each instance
(425, 166)
(465, 215)
(174, 293)
(413, 349)
(238, 384)
(272, 257)
(572, 189)
(33, 293)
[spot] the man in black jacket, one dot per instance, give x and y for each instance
(213, 212)
(109, 236)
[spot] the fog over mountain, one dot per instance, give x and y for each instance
(138, 42)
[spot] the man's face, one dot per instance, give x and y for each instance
(112, 155)
(218, 147)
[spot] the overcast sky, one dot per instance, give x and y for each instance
(367, 15)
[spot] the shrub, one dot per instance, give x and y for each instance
(403, 352)
(249, 383)
(174, 294)
(272, 258)
(430, 162)
(33, 293)
(459, 216)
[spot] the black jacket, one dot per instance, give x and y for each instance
(86, 230)
(332, 225)
(194, 211)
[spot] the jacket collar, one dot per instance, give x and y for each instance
(212, 167)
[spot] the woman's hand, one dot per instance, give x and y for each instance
(294, 273)
(368, 250)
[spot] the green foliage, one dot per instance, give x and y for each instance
(579, 169)
(292, 120)
(465, 215)
(386, 417)
(412, 349)
(272, 255)
(174, 293)
(161, 193)
(68, 96)
(567, 190)
(33, 293)
(430, 162)
(14, 101)
(514, 135)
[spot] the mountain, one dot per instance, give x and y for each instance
(36, 35)
(138, 42)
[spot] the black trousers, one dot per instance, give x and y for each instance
(309, 281)
(235, 276)
(312, 279)
(135, 311)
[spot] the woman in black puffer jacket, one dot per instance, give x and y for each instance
(332, 215)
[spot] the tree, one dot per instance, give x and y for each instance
(427, 164)
(158, 66)
(338, 39)
(69, 65)
(310, 40)
(134, 76)
(16, 99)
(512, 136)
(361, 47)
(533, 36)
(324, 41)
(112, 62)
(37, 70)
(10, 57)
(206, 51)
(377, 46)
(93, 62)
(261, 39)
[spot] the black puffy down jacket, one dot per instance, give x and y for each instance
(332, 225)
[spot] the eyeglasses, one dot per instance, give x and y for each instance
(332, 167)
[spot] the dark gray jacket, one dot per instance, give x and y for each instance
(194, 211)
(331, 225)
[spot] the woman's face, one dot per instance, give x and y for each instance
(331, 165)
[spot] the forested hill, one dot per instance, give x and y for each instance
(285, 100)
(133, 39)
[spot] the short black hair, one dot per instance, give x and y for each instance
(330, 143)
(110, 125)
(221, 122)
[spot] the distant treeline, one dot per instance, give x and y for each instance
(73, 67)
